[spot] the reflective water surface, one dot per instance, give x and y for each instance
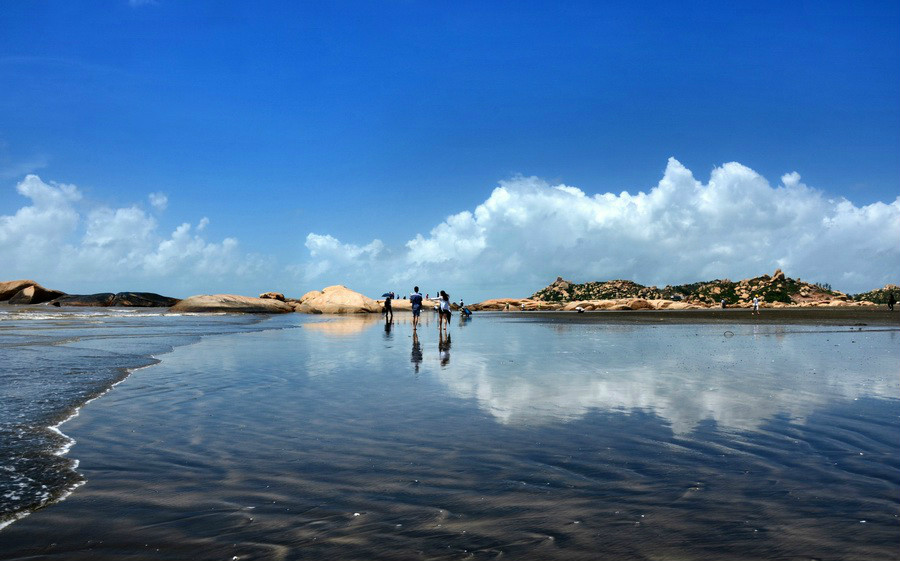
(349, 438)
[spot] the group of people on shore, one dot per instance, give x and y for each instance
(416, 301)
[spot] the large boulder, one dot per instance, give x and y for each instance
(273, 296)
(231, 303)
(338, 299)
(85, 300)
(143, 300)
(639, 304)
(302, 308)
(310, 294)
(8, 289)
(35, 294)
(497, 304)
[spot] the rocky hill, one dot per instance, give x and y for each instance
(774, 288)
(880, 295)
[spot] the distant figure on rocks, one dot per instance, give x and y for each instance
(415, 301)
(891, 301)
(756, 305)
(723, 303)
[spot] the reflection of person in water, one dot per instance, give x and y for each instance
(416, 355)
(388, 323)
(444, 348)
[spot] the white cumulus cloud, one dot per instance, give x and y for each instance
(57, 242)
(737, 225)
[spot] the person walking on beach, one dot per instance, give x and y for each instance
(388, 309)
(756, 305)
(891, 301)
(444, 310)
(415, 301)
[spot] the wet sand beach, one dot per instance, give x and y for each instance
(527, 436)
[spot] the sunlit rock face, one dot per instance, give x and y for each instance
(337, 299)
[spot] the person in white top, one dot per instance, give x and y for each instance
(756, 305)
(444, 310)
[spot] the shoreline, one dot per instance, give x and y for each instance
(144, 360)
(853, 316)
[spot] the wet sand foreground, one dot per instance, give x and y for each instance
(525, 436)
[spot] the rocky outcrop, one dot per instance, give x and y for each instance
(8, 289)
(336, 299)
(120, 300)
(562, 290)
(273, 296)
(777, 288)
(208, 303)
(35, 294)
(310, 294)
(26, 292)
(143, 300)
(100, 300)
(623, 304)
(879, 296)
(639, 304)
(514, 304)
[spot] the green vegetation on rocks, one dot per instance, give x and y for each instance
(880, 295)
(775, 288)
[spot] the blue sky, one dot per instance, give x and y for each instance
(368, 122)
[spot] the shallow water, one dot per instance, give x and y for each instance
(524, 440)
(56, 360)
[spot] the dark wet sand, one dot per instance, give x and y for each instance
(851, 316)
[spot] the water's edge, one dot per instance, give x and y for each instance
(55, 496)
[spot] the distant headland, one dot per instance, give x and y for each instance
(773, 291)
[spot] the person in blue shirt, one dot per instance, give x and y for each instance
(416, 301)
